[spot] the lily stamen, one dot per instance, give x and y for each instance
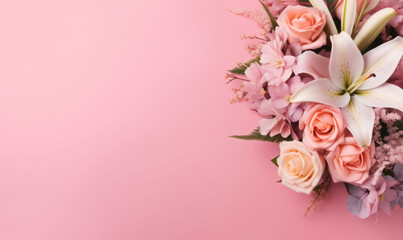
(369, 76)
(355, 86)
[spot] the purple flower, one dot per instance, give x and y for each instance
(398, 172)
(366, 199)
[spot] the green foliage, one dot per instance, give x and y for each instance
(323, 187)
(274, 24)
(384, 130)
(318, 189)
(305, 2)
(399, 125)
(242, 67)
(346, 185)
(330, 3)
(388, 171)
(256, 136)
(274, 161)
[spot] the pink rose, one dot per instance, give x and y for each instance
(349, 162)
(323, 126)
(304, 25)
(371, 4)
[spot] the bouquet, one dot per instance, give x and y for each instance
(326, 78)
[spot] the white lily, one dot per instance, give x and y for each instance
(349, 20)
(349, 15)
(357, 83)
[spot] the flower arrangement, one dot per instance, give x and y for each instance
(326, 77)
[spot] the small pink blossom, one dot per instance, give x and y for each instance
(277, 64)
(278, 124)
(279, 101)
(277, 6)
(255, 92)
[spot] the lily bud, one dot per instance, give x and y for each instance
(372, 27)
(330, 25)
(348, 16)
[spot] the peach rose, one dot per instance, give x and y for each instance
(300, 168)
(304, 25)
(323, 126)
(349, 162)
(371, 4)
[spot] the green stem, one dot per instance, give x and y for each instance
(274, 24)
(359, 19)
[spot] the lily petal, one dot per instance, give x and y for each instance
(387, 95)
(313, 64)
(346, 61)
(360, 121)
(348, 16)
(330, 25)
(323, 91)
(381, 61)
(373, 26)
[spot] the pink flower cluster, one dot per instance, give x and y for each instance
(271, 84)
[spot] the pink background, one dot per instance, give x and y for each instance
(114, 122)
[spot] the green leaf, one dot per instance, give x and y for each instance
(274, 160)
(346, 185)
(384, 129)
(274, 24)
(304, 2)
(330, 3)
(399, 125)
(242, 67)
(255, 135)
(388, 171)
(324, 185)
(332, 8)
(317, 189)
